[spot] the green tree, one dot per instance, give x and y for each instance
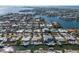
(19, 41)
(2, 35)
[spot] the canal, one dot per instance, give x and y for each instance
(65, 24)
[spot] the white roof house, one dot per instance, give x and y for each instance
(51, 43)
(68, 36)
(37, 30)
(3, 39)
(20, 31)
(26, 38)
(8, 49)
(13, 39)
(62, 30)
(59, 37)
(42, 25)
(64, 34)
(49, 25)
(46, 37)
(14, 25)
(35, 38)
(28, 30)
(44, 29)
(54, 30)
(77, 38)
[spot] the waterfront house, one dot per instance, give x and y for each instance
(37, 39)
(25, 40)
(49, 40)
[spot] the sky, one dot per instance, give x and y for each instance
(39, 2)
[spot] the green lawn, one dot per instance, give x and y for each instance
(67, 46)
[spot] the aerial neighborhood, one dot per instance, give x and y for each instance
(40, 30)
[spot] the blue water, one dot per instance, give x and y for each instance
(63, 23)
(5, 10)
